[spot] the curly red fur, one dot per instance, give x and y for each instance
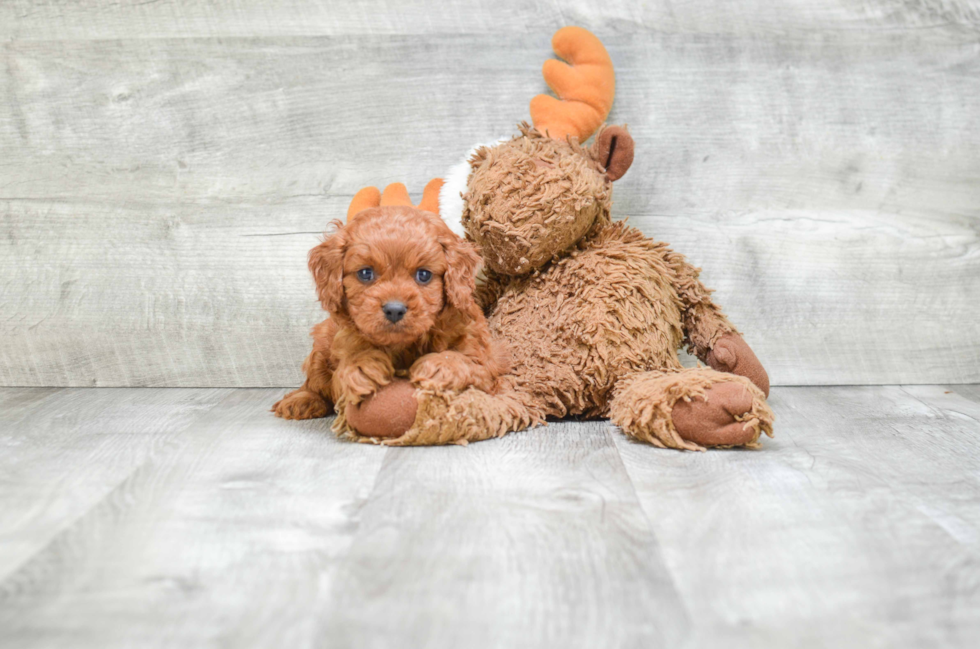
(442, 342)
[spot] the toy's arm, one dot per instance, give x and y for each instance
(707, 331)
(703, 321)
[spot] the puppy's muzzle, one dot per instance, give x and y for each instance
(394, 311)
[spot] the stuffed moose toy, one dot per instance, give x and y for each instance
(593, 312)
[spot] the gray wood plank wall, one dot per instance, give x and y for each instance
(164, 168)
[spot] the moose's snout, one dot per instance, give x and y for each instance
(394, 311)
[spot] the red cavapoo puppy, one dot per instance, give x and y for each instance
(398, 285)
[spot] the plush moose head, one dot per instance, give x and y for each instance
(531, 198)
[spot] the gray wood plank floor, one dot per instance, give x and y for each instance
(193, 518)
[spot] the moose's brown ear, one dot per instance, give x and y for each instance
(613, 149)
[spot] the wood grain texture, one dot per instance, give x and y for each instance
(65, 450)
(857, 526)
(535, 540)
(94, 19)
(969, 392)
(215, 300)
(175, 518)
(222, 536)
(158, 195)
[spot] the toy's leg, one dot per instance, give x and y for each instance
(442, 417)
(691, 409)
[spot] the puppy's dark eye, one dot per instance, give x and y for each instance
(365, 274)
(423, 276)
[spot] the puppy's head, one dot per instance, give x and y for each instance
(392, 271)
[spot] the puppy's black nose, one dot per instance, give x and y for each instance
(394, 311)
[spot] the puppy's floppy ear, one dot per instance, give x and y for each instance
(459, 282)
(327, 266)
(613, 149)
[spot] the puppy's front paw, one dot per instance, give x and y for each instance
(302, 404)
(444, 371)
(358, 382)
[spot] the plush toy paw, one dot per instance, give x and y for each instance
(302, 404)
(400, 415)
(388, 413)
(691, 409)
(717, 418)
(733, 355)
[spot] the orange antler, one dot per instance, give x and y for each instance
(585, 88)
(363, 199)
(430, 196)
(395, 194)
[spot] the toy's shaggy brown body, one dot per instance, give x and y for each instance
(608, 310)
(596, 325)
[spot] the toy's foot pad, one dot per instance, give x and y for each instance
(388, 413)
(713, 420)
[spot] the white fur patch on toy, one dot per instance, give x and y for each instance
(453, 188)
